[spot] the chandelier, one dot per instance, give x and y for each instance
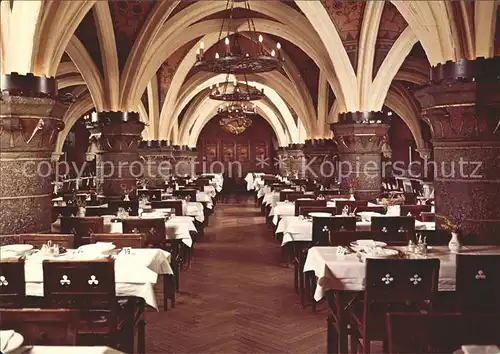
(235, 91)
(234, 116)
(230, 57)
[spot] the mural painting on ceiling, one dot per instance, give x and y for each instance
(392, 24)
(168, 68)
(128, 18)
(347, 15)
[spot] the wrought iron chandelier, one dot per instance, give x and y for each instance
(235, 91)
(231, 59)
(234, 116)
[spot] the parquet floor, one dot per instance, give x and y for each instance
(237, 297)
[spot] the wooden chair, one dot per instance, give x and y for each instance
(435, 237)
(374, 209)
(175, 205)
(394, 229)
(410, 198)
(291, 196)
(391, 285)
(89, 286)
(48, 327)
(12, 283)
(91, 211)
(130, 206)
(414, 210)
(428, 216)
(38, 240)
(306, 202)
(185, 193)
(478, 283)
(60, 211)
(324, 226)
(82, 228)
(440, 332)
(121, 240)
(351, 204)
(305, 210)
(155, 232)
(151, 194)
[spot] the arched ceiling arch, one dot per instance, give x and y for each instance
(207, 109)
(289, 126)
(201, 81)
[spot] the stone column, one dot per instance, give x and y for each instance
(30, 119)
(185, 159)
(320, 156)
(360, 137)
(157, 160)
(117, 135)
(462, 105)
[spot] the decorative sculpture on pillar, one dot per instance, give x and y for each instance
(359, 137)
(117, 135)
(462, 105)
(30, 119)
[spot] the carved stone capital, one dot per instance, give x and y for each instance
(359, 138)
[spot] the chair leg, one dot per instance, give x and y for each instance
(296, 277)
(302, 288)
(354, 342)
(165, 291)
(312, 279)
(177, 276)
(141, 334)
(331, 336)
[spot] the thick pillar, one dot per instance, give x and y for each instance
(292, 163)
(156, 157)
(360, 137)
(320, 156)
(462, 105)
(30, 119)
(117, 135)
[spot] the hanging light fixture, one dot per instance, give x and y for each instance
(235, 91)
(230, 57)
(234, 116)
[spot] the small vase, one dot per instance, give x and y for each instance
(81, 212)
(126, 198)
(352, 197)
(454, 244)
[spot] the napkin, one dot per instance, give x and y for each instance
(366, 243)
(5, 337)
(5, 255)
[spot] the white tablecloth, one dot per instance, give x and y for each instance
(210, 190)
(195, 210)
(205, 197)
(347, 272)
(135, 274)
(262, 191)
(271, 199)
(295, 229)
(178, 228)
(282, 209)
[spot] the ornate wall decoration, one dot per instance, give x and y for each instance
(128, 19)
(392, 24)
(242, 152)
(347, 15)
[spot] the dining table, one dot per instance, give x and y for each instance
(41, 349)
(340, 277)
(297, 228)
(136, 272)
(177, 227)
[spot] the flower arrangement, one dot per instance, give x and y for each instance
(81, 201)
(126, 189)
(450, 225)
(143, 182)
(351, 187)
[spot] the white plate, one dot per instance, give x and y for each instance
(359, 244)
(99, 246)
(385, 253)
(17, 248)
(368, 213)
(16, 341)
(320, 215)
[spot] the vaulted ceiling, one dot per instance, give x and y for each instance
(341, 55)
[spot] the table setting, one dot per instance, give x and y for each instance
(136, 269)
(343, 267)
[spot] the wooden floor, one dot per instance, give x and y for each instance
(237, 297)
